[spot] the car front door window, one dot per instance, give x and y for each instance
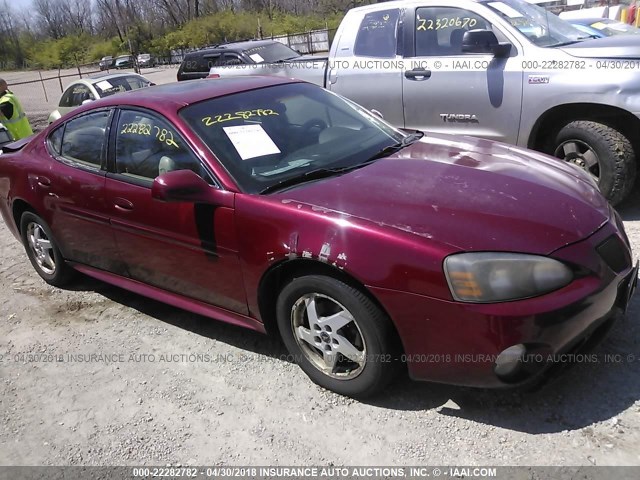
(185, 248)
(147, 146)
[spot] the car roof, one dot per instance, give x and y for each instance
(99, 77)
(107, 76)
(170, 97)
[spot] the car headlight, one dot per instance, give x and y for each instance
(483, 277)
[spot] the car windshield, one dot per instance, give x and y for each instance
(114, 85)
(611, 27)
(539, 25)
(271, 135)
(274, 52)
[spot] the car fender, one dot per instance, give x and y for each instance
(273, 231)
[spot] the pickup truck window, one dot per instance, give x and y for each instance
(536, 23)
(377, 34)
(439, 30)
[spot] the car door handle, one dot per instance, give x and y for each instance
(418, 74)
(43, 181)
(122, 204)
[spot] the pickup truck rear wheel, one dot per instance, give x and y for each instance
(603, 152)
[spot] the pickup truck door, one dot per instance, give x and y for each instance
(366, 67)
(448, 91)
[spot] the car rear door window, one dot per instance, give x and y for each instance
(148, 146)
(55, 140)
(67, 98)
(377, 34)
(83, 139)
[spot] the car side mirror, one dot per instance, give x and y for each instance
(88, 100)
(484, 41)
(187, 186)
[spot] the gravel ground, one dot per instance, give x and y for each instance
(150, 396)
(157, 400)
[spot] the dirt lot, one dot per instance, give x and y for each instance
(134, 386)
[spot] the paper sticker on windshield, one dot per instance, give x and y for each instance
(613, 26)
(256, 58)
(251, 141)
(506, 9)
(104, 85)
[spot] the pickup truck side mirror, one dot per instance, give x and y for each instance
(484, 41)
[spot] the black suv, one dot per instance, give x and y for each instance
(197, 64)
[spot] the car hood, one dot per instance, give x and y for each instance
(467, 193)
(617, 46)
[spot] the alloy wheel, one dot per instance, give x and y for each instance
(329, 336)
(41, 248)
(581, 154)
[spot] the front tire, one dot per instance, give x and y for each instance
(603, 152)
(339, 337)
(42, 250)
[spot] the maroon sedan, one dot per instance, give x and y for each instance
(276, 205)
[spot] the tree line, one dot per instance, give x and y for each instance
(58, 33)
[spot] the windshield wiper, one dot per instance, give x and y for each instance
(306, 177)
(564, 44)
(330, 172)
(405, 142)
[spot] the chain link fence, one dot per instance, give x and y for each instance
(39, 90)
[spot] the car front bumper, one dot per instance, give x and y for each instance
(460, 343)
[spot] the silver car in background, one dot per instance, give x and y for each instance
(146, 60)
(92, 88)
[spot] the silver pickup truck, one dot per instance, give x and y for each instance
(502, 70)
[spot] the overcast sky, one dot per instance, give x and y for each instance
(19, 4)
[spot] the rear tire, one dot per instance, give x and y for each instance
(603, 152)
(341, 339)
(43, 251)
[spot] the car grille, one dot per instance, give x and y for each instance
(615, 253)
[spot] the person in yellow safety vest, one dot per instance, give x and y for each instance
(12, 115)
